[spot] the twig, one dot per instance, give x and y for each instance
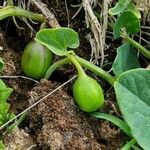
(23, 77)
(47, 13)
(105, 20)
(145, 33)
(67, 13)
(145, 27)
(80, 8)
(147, 42)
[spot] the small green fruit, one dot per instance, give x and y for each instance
(36, 59)
(88, 93)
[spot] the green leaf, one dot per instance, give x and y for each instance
(134, 9)
(129, 144)
(58, 39)
(2, 147)
(4, 94)
(127, 20)
(125, 60)
(1, 64)
(133, 95)
(4, 106)
(118, 122)
(2, 84)
(119, 7)
(3, 112)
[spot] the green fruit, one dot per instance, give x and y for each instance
(88, 93)
(36, 59)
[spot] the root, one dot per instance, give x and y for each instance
(92, 21)
(144, 7)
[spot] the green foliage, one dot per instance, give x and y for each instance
(129, 145)
(125, 60)
(1, 64)
(132, 87)
(134, 9)
(127, 20)
(4, 94)
(124, 5)
(132, 90)
(2, 147)
(36, 59)
(119, 7)
(135, 44)
(58, 39)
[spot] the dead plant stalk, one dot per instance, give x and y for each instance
(91, 20)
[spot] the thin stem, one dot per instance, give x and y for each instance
(23, 77)
(110, 79)
(16, 11)
(141, 49)
(128, 145)
(22, 118)
(18, 122)
(77, 65)
(56, 65)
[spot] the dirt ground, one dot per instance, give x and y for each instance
(56, 123)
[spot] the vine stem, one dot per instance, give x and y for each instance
(138, 46)
(97, 70)
(128, 145)
(77, 65)
(16, 11)
(56, 65)
(84, 63)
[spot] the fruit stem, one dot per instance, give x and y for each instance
(141, 49)
(77, 65)
(110, 79)
(16, 11)
(56, 65)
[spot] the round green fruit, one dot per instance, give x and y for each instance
(36, 59)
(88, 93)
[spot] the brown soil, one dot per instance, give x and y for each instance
(56, 123)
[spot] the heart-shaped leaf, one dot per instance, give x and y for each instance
(58, 39)
(127, 20)
(125, 60)
(133, 95)
(134, 9)
(119, 7)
